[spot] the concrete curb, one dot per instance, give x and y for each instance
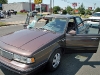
(16, 22)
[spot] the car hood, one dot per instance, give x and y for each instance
(94, 17)
(28, 40)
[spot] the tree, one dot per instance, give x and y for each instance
(81, 9)
(97, 9)
(3, 1)
(64, 12)
(87, 11)
(69, 9)
(56, 9)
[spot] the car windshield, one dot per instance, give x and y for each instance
(57, 25)
(96, 14)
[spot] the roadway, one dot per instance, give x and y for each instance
(72, 64)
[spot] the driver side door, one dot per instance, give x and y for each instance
(82, 41)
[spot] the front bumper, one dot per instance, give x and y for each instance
(15, 68)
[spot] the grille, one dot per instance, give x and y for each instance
(6, 54)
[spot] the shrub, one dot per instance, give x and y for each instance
(64, 12)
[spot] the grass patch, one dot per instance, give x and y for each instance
(21, 13)
(2, 24)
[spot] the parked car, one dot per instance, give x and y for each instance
(33, 13)
(95, 19)
(94, 24)
(13, 12)
(28, 50)
(1, 14)
(23, 11)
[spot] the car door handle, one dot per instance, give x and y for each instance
(94, 38)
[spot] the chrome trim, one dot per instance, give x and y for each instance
(6, 51)
(6, 54)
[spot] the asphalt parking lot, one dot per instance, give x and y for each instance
(72, 64)
(13, 18)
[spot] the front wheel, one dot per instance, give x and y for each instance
(54, 60)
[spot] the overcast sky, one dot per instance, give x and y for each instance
(65, 3)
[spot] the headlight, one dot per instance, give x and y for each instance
(23, 59)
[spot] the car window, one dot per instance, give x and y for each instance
(71, 25)
(88, 28)
(56, 25)
(78, 20)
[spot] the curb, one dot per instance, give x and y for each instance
(16, 22)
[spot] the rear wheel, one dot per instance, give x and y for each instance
(54, 60)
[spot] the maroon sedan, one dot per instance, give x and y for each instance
(27, 50)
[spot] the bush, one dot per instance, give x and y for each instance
(64, 12)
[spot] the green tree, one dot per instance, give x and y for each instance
(97, 9)
(3, 1)
(69, 9)
(87, 11)
(81, 9)
(64, 12)
(56, 9)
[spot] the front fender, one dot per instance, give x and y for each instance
(57, 45)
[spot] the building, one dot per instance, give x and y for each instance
(24, 6)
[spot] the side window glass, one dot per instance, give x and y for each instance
(93, 29)
(89, 28)
(78, 20)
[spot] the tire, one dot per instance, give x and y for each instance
(54, 60)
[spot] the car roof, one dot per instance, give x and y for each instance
(60, 16)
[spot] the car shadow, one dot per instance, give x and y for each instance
(71, 64)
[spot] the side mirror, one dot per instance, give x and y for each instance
(72, 32)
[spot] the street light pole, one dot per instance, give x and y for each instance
(30, 5)
(53, 6)
(94, 5)
(50, 6)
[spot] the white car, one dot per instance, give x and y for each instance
(95, 19)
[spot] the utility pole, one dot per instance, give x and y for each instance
(50, 6)
(94, 5)
(30, 5)
(53, 6)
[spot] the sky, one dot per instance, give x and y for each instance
(65, 3)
